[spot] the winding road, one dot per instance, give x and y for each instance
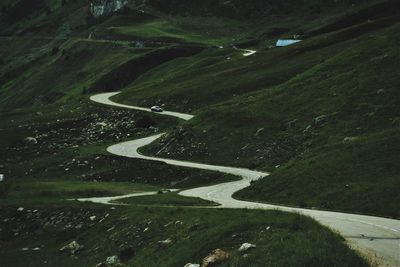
(377, 238)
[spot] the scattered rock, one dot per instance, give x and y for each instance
(92, 218)
(72, 248)
(165, 242)
(30, 141)
(320, 119)
(259, 131)
(380, 91)
(112, 260)
(192, 265)
(216, 256)
(20, 209)
(246, 246)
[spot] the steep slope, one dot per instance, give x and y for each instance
(331, 126)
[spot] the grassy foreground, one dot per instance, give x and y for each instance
(137, 234)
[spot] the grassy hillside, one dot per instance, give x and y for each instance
(330, 115)
(322, 116)
(69, 161)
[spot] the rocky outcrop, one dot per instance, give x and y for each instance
(103, 8)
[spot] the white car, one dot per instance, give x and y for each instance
(156, 109)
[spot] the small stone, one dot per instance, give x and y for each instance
(30, 141)
(72, 248)
(246, 246)
(320, 119)
(112, 260)
(259, 131)
(192, 265)
(307, 129)
(380, 91)
(165, 242)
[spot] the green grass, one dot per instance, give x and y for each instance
(281, 239)
(349, 81)
(251, 112)
(159, 29)
(166, 199)
(51, 192)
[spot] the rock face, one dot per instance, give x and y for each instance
(215, 257)
(102, 8)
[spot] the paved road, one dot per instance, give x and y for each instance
(111, 200)
(377, 237)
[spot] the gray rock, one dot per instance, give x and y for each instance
(320, 119)
(380, 91)
(165, 242)
(259, 131)
(112, 260)
(246, 246)
(72, 248)
(307, 129)
(30, 141)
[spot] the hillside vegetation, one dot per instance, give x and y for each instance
(323, 116)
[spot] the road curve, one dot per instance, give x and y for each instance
(105, 99)
(248, 52)
(110, 200)
(377, 237)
